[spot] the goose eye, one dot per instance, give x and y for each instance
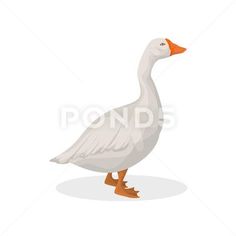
(162, 44)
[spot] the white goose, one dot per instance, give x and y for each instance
(111, 145)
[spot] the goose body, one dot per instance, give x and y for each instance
(113, 144)
(107, 149)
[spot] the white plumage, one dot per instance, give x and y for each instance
(110, 149)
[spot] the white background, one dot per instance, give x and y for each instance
(79, 53)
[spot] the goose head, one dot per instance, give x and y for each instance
(162, 48)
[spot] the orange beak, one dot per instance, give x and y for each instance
(174, 48)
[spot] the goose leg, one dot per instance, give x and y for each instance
(113, 182)
(120, 190)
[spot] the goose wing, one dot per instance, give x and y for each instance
(98, 140)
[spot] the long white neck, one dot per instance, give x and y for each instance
(148, 92)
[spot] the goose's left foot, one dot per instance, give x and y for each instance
(120, 190)
(132, 191)
(113, 182)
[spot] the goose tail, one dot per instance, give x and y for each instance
(62, 159)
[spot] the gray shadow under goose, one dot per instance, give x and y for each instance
(93, 188)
